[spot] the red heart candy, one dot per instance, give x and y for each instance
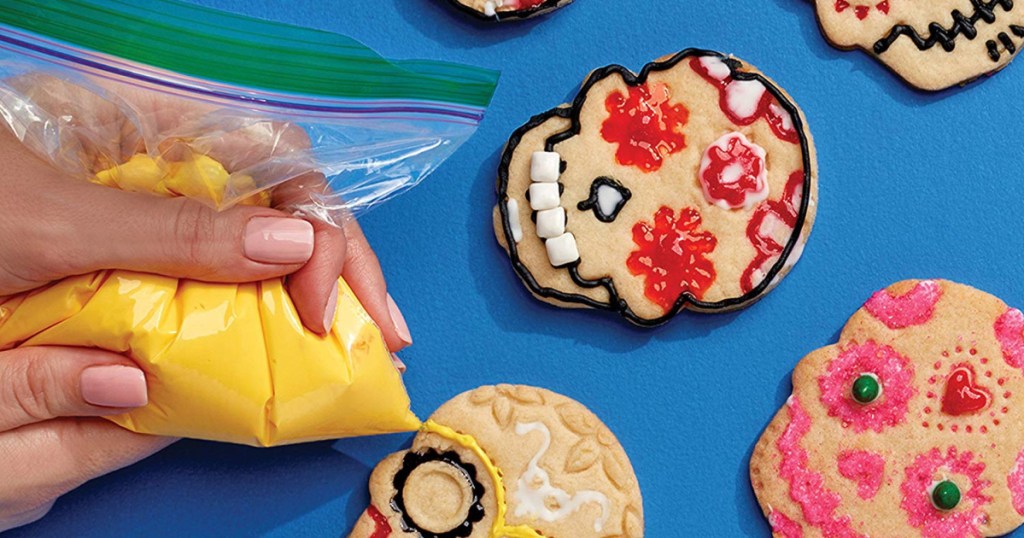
(962, 395)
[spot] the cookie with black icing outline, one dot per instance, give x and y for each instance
(506, 461)
(691, 185)
(507, 10)
(932, 45)
(908, 426)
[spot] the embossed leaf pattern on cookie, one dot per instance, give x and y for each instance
(583, 455)
(501, 398)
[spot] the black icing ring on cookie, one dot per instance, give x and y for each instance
(413, 460)
(548, 5)
(616, 303)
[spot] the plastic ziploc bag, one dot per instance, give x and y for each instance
(177, 100)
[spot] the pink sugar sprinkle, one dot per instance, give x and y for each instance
(807, 487)
(964, 522)
(912, 308)
(865, 468)
(895, 374)
(1009, 329)
(784, 526)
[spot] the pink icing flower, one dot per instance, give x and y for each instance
(894, 373)
(912, 308)
(785, 527)
(806, 487)
(1016, 483)
(1010, 333)
(865, 468)
(964, 520)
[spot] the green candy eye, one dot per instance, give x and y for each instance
(866, 388)
(945, 495)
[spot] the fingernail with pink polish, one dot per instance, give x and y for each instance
(399, 320)
(331, 310)
(399, 365)
(114, 386)
(278, 240)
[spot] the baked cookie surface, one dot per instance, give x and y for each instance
(932, 45)
(507, 10)
(692, 184)
(507, 461)
(909, 426)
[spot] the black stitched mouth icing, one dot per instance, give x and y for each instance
(607, 198)
(963, 25)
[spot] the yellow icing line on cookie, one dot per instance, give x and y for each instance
(499, 529)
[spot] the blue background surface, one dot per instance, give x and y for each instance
(912, 185)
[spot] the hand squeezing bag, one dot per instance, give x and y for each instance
(176, 100)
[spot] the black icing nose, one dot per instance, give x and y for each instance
(607, 198)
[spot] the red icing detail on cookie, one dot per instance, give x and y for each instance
(933, 466)
(733, 173)
(895, 373)
(963, 396)
(382, 529)
(732, 93)
(784, 527)
(865, 468)
(672, 256)
(842, 5)
(1009, 329)
(912, 308)
(646, 127)
(862, 12)
(807, 487)
(883, 7)
(770, 228)
(1016, 483)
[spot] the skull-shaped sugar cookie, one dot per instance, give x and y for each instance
(931, 44)
(909, 426)
(507, 10)
(690, 185)
(506, 462)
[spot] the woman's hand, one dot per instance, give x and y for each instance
(47, 447)
(53, 226)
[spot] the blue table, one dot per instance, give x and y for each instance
(912, 185)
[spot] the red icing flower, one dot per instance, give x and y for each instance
(770, 229)
(894, 372)
(862, 10)
(912, 308)
(646, 127)
(934, 466)
(672, 256)
(745, 101)
(733, 172)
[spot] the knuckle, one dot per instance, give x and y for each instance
(28, 386)
(194, 231)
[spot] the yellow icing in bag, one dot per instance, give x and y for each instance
(223, 362)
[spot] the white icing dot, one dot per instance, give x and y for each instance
(562, 250)
(551, 223)
(513, 220)
(534, 488)
(732, 173)
(608, 198)
(545, 166)
(489, 8)
(715, 67)
(743, 97)
(544, 196)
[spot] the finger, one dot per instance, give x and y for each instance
(363, 274)
(74, 451)
(110, 229)
(41, 383)
(314, 287)
(18, 518)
